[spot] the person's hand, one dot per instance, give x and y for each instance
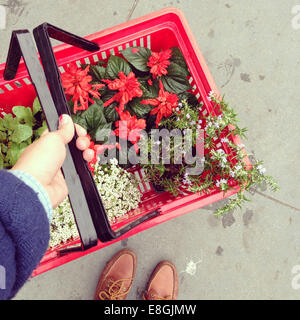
(43, 158)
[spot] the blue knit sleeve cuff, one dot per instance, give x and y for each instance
(36, 187)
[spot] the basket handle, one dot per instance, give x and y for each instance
(42, 35)
(22, 45)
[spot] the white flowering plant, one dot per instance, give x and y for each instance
(225, 164)
(119, 192)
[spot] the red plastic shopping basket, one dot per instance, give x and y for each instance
(157, 31)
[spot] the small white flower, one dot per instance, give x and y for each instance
(211, 93)
(238, 167)
(198, 126)
(261, 169)
(223, 181)
(200, 121)
(217, 125)
(232, 174)
(177, 109)
(188, 116)
(220, 151)
(179, 105)
(220, 117)
(224, 140)
(209, 98)
(223, 159)
(178, 119)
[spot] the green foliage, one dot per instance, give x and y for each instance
(19, 130)
(138, 57)
(94, 121)
(115, 65)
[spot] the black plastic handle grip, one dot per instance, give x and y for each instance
(22, 45)
(42, 36)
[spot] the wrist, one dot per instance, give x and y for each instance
(37, 187)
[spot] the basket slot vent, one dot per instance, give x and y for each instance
(8, 87)
(198, 96)
(127, 45)
(18, 84)
(120, 48)
(103, 55)
(134, 43)
(87, 60)
(61, 69)
(141, 42)
(1, 91)
(112, 51)
(95, 58)
(204, 112)
(149, 42)
(78, 63)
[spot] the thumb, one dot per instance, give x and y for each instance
(66, 128)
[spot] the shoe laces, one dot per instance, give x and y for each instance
(114, 289)
(154, 296)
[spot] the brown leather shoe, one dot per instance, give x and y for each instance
(163, 283)
(116, 279)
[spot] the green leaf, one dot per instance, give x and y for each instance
(110, 113)
(138, 58)
(21, 133)
(1, 161)
(40, 130)
(114, 66)
(97, 72)
(138, 109)
(94, 115)
(36, 107)
(9, 122)
(178, 58)
(24, 115)
(93, 120)
(3, 136)
(149, 92)
(79, 120)
(13, 153)
(176, 79)
(100, 134)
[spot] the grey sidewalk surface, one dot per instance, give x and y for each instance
(252, 51)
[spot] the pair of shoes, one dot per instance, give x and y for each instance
(117, 277)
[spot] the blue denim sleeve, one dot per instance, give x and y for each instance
(24, 233)
(37, 188)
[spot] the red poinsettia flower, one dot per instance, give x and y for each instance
(129, 128)
(159, 62)
(165, 104)
(128, 87)
(76, 83)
